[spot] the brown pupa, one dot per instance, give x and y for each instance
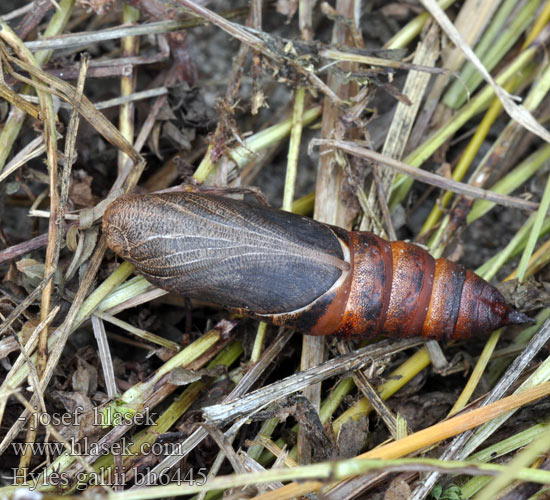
(293, 270)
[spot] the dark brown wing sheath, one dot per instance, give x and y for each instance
(293, 270)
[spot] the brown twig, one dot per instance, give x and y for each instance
(428, 177)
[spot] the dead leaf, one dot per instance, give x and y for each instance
(84, 379)
(30, 268)
(352, 437)
(399, 489)
(80, 191)
(76, 405)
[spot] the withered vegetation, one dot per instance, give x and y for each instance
(366, 115)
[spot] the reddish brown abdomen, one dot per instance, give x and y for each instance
(399, 290)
